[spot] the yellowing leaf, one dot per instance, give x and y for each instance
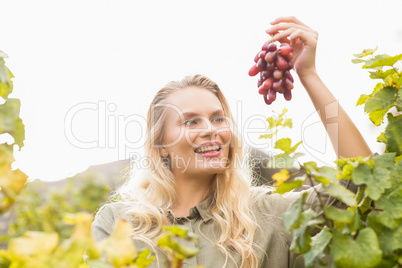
(281, 176)
(32, 244)
(285, 144)
(362, 99)
(366, 52)
(119, 247)
(11, 183)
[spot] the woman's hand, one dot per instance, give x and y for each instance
(302, 38)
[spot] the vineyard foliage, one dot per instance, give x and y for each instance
(368, 233)
(55, 231)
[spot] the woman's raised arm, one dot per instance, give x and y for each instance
(346, 139)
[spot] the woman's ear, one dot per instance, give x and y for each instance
(163, 152)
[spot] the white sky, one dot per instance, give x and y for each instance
(109, 58)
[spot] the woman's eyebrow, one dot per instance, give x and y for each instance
(191, 114)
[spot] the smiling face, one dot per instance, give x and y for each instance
(195, 118)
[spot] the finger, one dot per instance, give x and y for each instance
(307, 37)
(281, 37)
(286, 26)
(287, 19)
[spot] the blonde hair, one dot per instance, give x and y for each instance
(154, 189)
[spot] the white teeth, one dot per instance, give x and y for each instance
(207, 148)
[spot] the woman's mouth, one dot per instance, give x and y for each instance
(208, 149)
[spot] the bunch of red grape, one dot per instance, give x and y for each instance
(274, 63)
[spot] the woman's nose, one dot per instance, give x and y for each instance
(207, 128)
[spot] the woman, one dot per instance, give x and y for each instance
(203, 183)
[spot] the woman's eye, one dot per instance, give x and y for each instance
(189, 122)
(219, 119)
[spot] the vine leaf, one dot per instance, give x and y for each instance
(281, 176)
(379, 104)
(285, 145)
(288, 186)
(339, 191)
(291, 218)
(376, 180)
(381, 61)
(392, 206)
(389, 240)
(6, 84)
(339, 215)
(10, 121)
(119, 247)
(301, 235)
(318, 245)
(362, 252)
(393, 133)
(366, 52)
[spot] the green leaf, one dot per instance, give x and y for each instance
(10, 122)
(381, 138)
(379, 103)
(340, 215)
(360, 253)
(285, 144)
(365, 52)
(396, 176)
(283, 160)
(386, 160)
(6, 85)
(393, 135)
(301, 237)
(325, 175)
(355, 61)
(339, 191)
(398, 102)
(380, 74)
(288, 186)
(292, 216)
(377, 117)
(392, 206)
(362, 99)
(318, 244)
(381, 60)
(382, 99)
(389, 240)
(376, 181)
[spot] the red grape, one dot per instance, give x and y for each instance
(267, 73)
(253, 71)
(272, 95)
(272, 47)
(285, 50)
(288, 84)
(265, 46)
(261, 64)
(287, 95)
(281, 63)
(277, 74)
(270, 56)
(266, 98)
(274, 63)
